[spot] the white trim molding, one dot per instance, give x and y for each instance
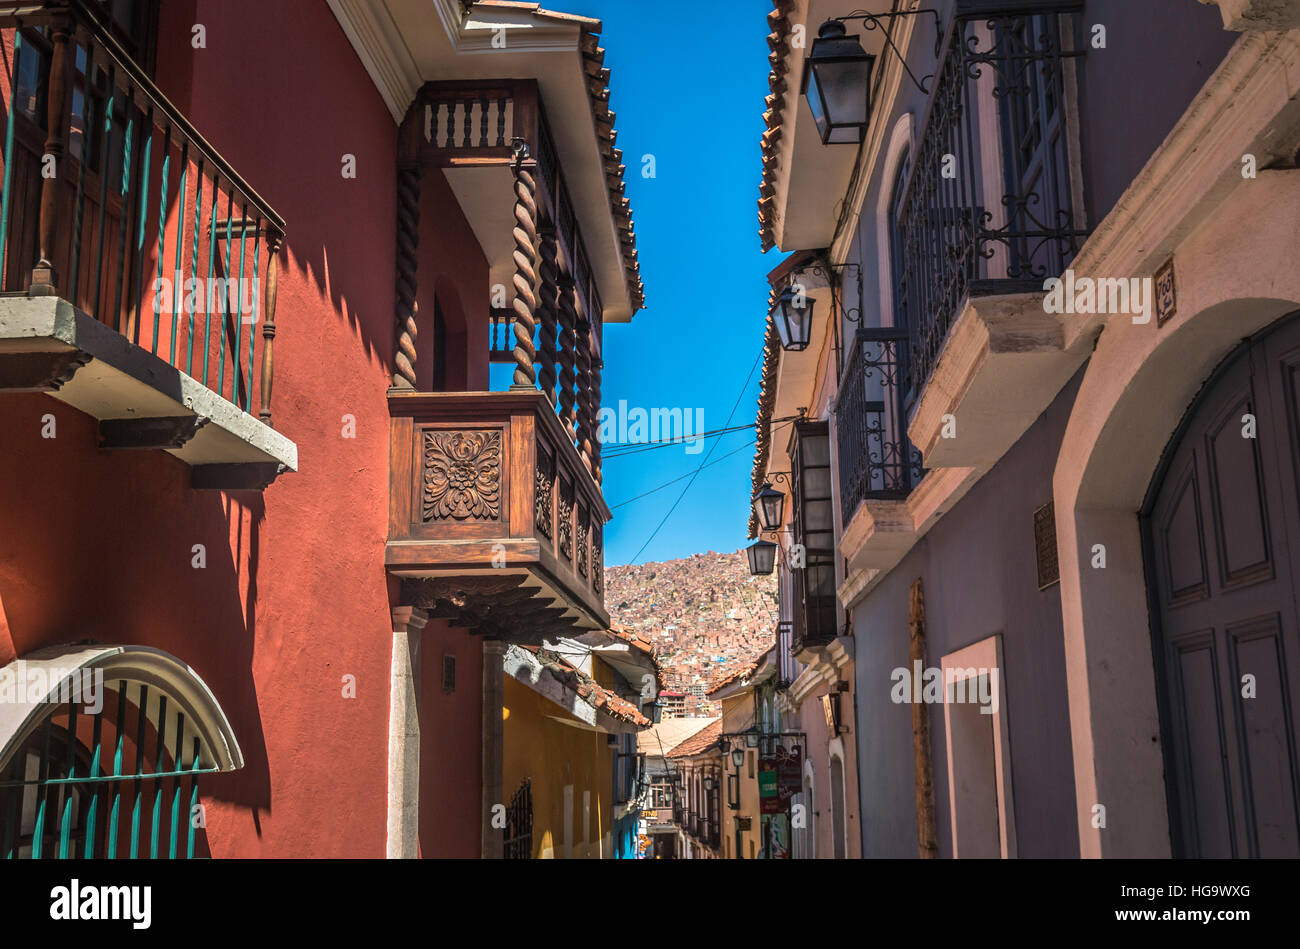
(981, 658)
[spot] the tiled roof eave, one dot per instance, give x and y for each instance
(778, 84)
(606, 135)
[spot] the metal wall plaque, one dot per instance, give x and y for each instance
(1166, 293)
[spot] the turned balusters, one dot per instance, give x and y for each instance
(273, 241)
(45, 277)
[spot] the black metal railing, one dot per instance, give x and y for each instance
(988, 203)
(519, 823)
(876, 458)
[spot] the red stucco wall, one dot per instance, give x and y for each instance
(294, 597)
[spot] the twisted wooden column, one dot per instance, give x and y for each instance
(586, 434)
(596, 368)
(568, 347)
(525, 234)
(408, 242)
(547, 338)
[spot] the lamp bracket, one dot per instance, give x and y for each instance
(824, 268)
(872, 21)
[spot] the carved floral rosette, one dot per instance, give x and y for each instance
(462, 475)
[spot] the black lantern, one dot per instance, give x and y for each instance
(836, 82)
(793, 318)
(768, 508)
(656, 712)
(708, 784)
(762, 557)
(738, 757)
(751, 737)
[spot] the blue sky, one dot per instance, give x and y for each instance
(688, 90)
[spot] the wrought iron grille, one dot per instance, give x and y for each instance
(981, 215)
(876, 459)
(519, 823)
(121, 782)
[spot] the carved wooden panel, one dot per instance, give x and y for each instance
(597, 559)
(565, 515)
(544, 493)
(461, 475)
(583, 530)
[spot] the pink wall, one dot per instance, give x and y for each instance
(97, 545)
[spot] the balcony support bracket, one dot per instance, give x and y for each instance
(136, 433)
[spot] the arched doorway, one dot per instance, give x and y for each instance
(102, 749)
(1221, 535)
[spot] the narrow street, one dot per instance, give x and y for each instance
(761, 430)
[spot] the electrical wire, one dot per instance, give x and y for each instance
(667, 484)
(730, 416)
(638, 447)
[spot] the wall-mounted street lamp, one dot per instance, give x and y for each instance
(836, 82)
(762, 557)
(792, 315)
(738, 757)
(837, 75)
(708, 784)
(769, 507)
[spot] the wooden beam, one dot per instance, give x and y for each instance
(927, 837)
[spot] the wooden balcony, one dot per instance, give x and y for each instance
(495, 521)
(138, 281)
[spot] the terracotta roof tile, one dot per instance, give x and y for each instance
(698, 742)
(779, 42)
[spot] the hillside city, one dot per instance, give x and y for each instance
(705, 616)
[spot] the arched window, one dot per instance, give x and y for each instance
(101, 753)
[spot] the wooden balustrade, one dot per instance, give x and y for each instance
(551, 332)
(486, 486)
(141, 224)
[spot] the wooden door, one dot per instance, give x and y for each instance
(1223, 541)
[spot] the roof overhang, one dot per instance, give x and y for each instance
(804, 180)
(406, 43)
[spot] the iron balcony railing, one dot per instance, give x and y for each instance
(113, 201)
(988, 205)
(876, 459)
